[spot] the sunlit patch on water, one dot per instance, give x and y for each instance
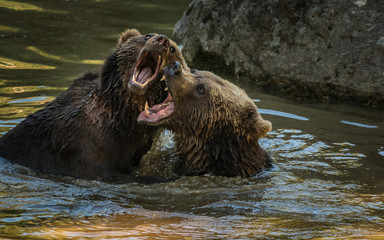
(7, 63)
(17, 108)
(8, 29)
(22, 6)
(160, 226)
(62, 59)
(26, 89)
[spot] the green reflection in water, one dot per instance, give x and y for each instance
(20, 107)
(4, 100)
(62, 59)
(8, 29)
(26, 89)
(20, 6)
(7, 63)
(21, 100)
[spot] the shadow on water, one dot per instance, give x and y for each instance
(327, 180)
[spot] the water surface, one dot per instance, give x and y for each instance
(327, 180)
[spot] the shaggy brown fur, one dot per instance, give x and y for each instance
(90, 130)
(216, 125)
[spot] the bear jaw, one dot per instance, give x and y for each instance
(145, 71)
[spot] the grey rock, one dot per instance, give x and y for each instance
(380, 41)
(308, 49)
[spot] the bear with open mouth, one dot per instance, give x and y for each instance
(216, 125)
(90, 130)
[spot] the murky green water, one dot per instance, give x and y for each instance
(328, 179)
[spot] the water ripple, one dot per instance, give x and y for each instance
(305, 152)
(282, 114)
(35, 99)
(358, 124)
(381, 151)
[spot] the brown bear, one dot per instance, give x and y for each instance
(90, 130)
(216, 125)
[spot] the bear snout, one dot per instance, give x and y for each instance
(172, 69)
(161, 40)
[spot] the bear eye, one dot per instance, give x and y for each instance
(200, 88)
(172, 49)
(147, 37)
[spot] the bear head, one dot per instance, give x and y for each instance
(148, 54)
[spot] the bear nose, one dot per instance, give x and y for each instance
(173, 68)
(161, 39)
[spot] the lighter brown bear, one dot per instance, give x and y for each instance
(216, 125)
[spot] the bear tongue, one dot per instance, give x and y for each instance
(157, 112)
(144, 74)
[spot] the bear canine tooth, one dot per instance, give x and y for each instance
(166, 89)
(146, 107)
(163, 78)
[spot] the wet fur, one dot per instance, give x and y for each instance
(90, 130)
(216, 133)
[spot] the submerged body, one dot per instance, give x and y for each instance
(90, 130)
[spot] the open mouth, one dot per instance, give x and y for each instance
(158, 112)
(163, 110)
(146, 69)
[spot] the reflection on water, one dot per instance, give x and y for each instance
(358, 124)
(282, 114)
(6, 63)
(36, 99)
(381, 151)
(19, 6)
(58, 58)
(8, 29)
(327, 180)
(22, 6)
(25, 89)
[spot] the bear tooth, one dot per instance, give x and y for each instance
(163, 78)
(166, 89)
(146, 107)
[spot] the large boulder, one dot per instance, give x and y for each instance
(309, 49)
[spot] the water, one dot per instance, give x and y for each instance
(327, 180)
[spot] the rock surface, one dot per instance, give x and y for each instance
(309, 49)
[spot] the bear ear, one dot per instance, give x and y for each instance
(262, 127)
(259, 125)
(128, 34)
